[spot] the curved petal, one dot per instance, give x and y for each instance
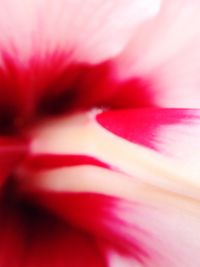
(106, 136)
(165, 51)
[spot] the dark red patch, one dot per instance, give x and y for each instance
(55, 85)
(95, 214)
(32, 236)
(84, 86)
(133, 93)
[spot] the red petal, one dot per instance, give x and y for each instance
(147, 232)
(54, 85)
(60, 246)
(31, 237)
(94, 214)
(64, 87)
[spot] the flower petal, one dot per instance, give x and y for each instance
(172, 132)
(43, 57)
(93, 213)
(64, 247)
(95, 31)
(156, 229)
(106, 136)
(31, 237)
(146, 204)
(54, 86)
(165, 50)
(170, 238)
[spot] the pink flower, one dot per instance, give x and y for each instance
(99, 133)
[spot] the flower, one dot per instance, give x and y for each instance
(99, 133)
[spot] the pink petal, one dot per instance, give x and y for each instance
(92, 32)
(165, 51)
(158, 229)
(172, 235)
(173, 132)
(43, 58)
